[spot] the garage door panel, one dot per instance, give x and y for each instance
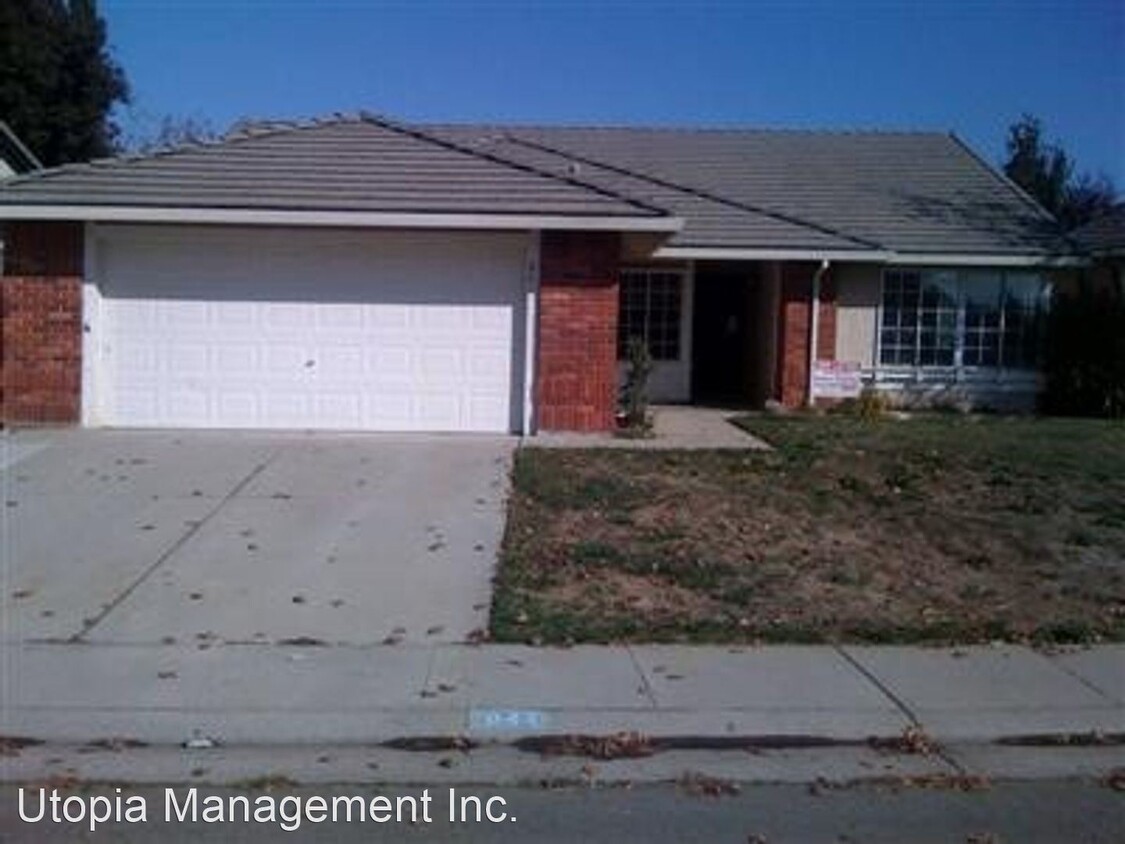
(389, 412)
(376, 332)
(188, 360)
(483, 413)
(138, 363)
(341, 362)
(237, 360)
(192, 406)
(236, 408)
(139, 404)
(339, 410)
(288, 316)
(440, 368)
(283, 360)
(286, 408)
(489, 320)
(390, 366)
(234, 315)
(340, 318)
(483, 362)
(389, 317)
(439, 412)
(186, 315)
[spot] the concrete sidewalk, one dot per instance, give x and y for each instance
(459, 714)
(275, 695)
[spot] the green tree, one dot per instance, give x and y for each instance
(58, 80)
(1045, 171)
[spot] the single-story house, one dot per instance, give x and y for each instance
(362, 274)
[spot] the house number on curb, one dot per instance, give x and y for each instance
(506, 719)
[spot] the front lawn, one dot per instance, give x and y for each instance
(940, 529)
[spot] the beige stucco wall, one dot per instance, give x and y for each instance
(857, 309)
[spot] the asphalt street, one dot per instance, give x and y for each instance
(1025, 812)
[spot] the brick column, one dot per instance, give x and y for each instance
(577, 370)
(794, 324)
(41, 323)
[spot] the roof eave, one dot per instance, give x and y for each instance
(768, 253)
(885, 256)
(342, 219)
(989, 259)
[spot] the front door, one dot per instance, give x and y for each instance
(720, 337)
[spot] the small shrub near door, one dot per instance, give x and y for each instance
(869, 405)
(634, 395)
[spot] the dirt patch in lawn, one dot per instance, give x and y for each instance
(942, 529)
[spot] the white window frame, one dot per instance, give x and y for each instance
(682, 274)
(958, 369)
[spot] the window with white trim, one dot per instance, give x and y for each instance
(650, 307)
(955, 318)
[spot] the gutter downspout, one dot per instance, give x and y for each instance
(814, 327)
(531, 334)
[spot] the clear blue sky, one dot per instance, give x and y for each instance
(967, 65)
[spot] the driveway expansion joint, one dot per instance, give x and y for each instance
(646, 686)
(878, 684)
(1095, 688)
(193, 528)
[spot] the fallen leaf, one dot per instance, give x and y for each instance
(701, 785)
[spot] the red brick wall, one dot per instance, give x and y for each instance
(577, 369)
(41, 323)
(794, 326)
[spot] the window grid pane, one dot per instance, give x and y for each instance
(1024, 309)
(992, 319)
(650, 308)
(898, 339)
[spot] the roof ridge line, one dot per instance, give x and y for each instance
(663, 182)
(413, 131)
(228, 139)
(684, 129)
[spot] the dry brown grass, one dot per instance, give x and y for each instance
(944, 528)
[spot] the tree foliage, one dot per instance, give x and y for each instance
(58, 80)
(1045, 171)
(1085, 365)
(173, 132)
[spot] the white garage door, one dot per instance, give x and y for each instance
(251, 328)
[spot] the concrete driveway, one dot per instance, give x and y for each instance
(198, 538)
